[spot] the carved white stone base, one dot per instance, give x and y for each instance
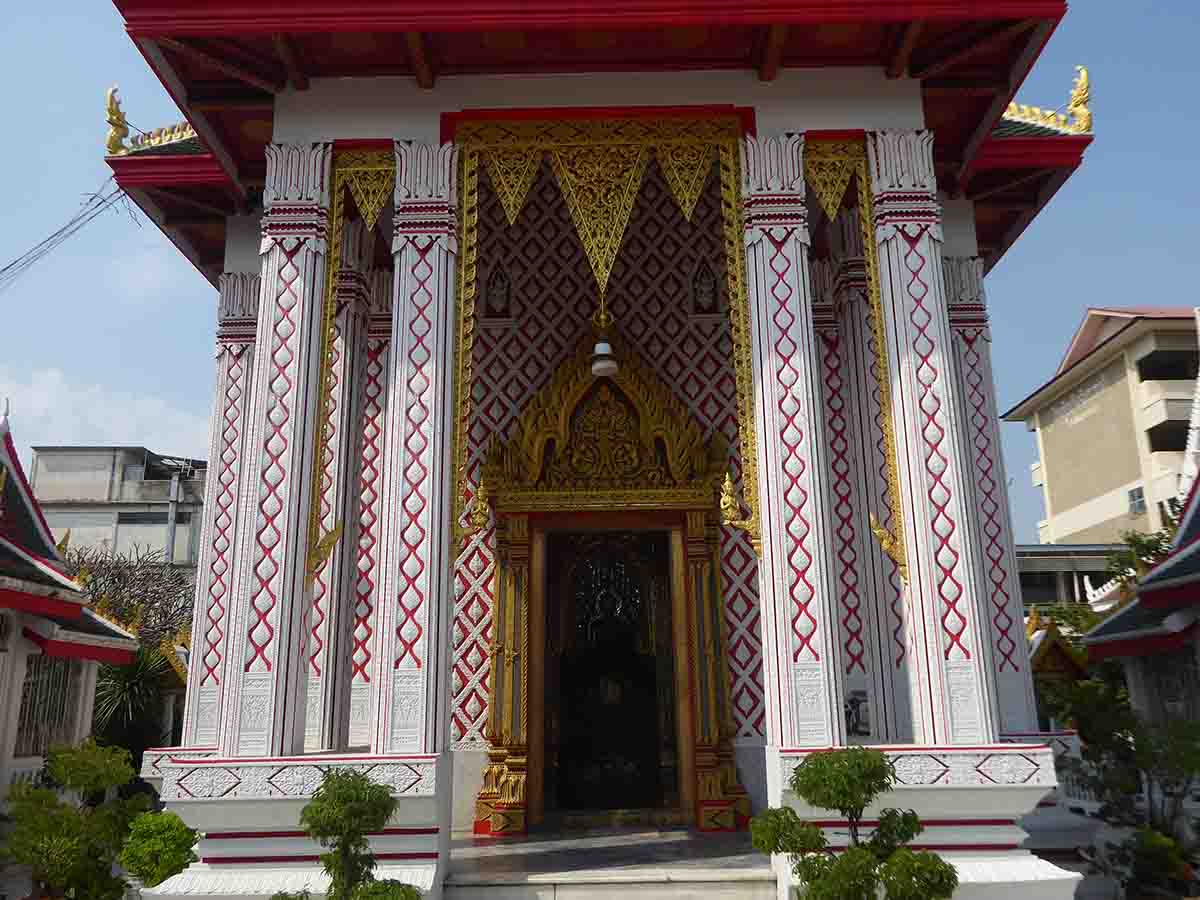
(248, 814)
(972, 801)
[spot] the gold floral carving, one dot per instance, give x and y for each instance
(599, 185)
(513, 171)
(685, 166)
(368, 177)
(1076, 120)
(588, 443)
(828, 170)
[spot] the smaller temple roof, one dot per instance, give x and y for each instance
(33, 579)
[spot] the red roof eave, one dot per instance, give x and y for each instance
(1142, 646)
(169, 170)
(40, 604)
(58, 647)
(1058, 152)
(158, 18)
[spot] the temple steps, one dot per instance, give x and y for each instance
(647, 865)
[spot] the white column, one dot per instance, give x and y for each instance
(408, 703)
(365, 593)
(327, 718)
(971, 338)
(802, 674)
(262, 712)
(878, 574)
(953, 693)
(237, 311)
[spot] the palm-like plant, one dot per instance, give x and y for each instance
(129, 701)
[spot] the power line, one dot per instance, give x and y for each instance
(92, 206)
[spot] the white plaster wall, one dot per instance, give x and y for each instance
(958, 226)
(799, 99)
(243, 234)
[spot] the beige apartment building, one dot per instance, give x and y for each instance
(1112, 424)
(119, 498)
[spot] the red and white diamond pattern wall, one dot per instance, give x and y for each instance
(551, 296)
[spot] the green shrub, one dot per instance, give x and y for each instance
(69, 839)
(159, 846)
(848, 781)
(386, 890)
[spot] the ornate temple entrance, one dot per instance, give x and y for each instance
(611, 747)
(608, 690)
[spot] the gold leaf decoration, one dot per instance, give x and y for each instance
(685, 166)
(828, 176)
(371, 189)
(600, 184)
(513, 171)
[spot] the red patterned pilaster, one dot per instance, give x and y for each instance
(992, 522)
(263, 709)
(330, 638)
(236, 313)
(953, 694)
(412, 640)
(372, 404)
(802, 677)
(878, 574)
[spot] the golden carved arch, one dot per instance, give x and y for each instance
(583, 443)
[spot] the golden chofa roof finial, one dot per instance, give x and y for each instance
(1077, 106)
(118, 128)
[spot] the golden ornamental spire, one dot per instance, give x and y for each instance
(1077, 106)
(891, 546)
(118, 128)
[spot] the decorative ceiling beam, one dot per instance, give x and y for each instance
(286, 52)
(218, 95)
(422, 70)
(187, 221)
(224, 64)
(1016, 74)
(1010, 184)
(161, 195)
(957, 49)
(772, 53)
(898, 64)
(1003, 207)
(979, 87)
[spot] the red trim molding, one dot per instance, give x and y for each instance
(451, 120)
(40, 605)
(249, 860)
(1059, 152)
(1143, 646)
(156, 18)
(150, 170)
(70, 650)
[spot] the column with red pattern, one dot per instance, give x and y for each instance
(953, 695)
(991, 520)
(327, 718)
(237, 310)
(803, 678)
(409, 710)
(263, 710)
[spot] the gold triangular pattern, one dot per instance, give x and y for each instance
(685, 166)
(371, 189)
(513, 171)
(600, 183)
(828, 176)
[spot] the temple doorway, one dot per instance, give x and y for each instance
(611, 752)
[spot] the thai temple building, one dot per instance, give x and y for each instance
(604, 421)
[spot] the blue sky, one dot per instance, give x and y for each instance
(110, 339)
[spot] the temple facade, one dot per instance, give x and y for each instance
(600, 428)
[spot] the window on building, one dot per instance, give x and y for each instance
(133, 472)
(49, 701)
(1168, 365)
(1171, 435)
(1137, 501)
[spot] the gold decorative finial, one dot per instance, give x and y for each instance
(890, 546)
(479, 511)
(118, 128)
(1033, 624)
(65, 543)
(731, 508)
(320, 554)
(1077, 106)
